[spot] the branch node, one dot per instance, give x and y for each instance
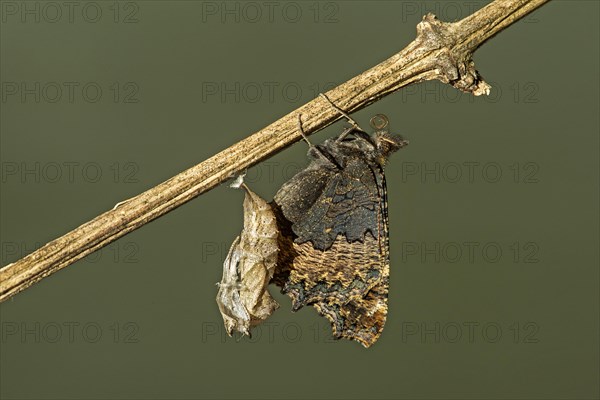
(453, 63)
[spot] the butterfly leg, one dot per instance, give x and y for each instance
(302, 131)
(352, 122)
(316, 150)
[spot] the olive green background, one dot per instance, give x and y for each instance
(139, 320)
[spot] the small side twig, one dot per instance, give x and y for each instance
(440, 51)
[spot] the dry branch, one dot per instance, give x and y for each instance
(440, 51)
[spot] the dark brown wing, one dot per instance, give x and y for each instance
(302, 191)
(363, 319)
(335, 254)
(348, 206)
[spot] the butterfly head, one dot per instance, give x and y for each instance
(354, 142)
(385, 143)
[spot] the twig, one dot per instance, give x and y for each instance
(440, 51)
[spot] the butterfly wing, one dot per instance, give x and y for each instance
(334, 246)
(363, 319)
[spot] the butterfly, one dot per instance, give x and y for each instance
(333, 222)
